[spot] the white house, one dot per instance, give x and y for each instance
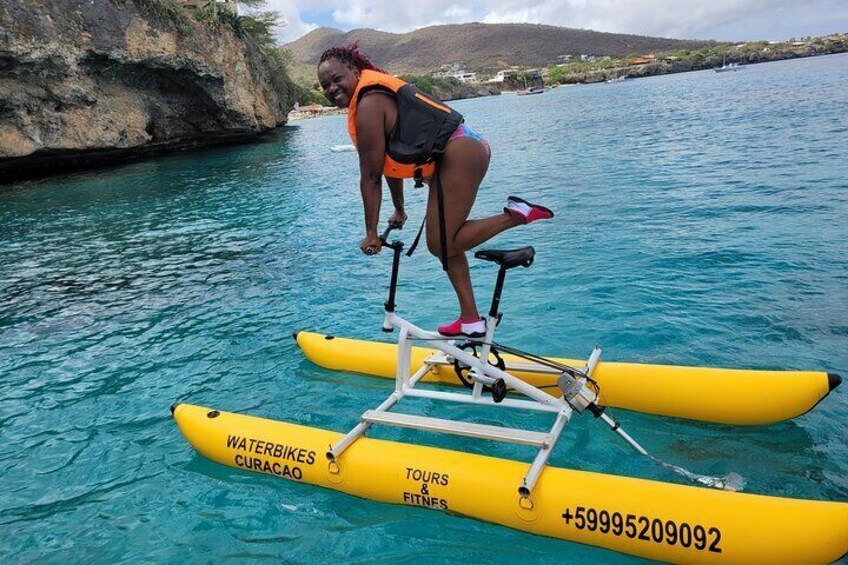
(503, 75)
(462, 76)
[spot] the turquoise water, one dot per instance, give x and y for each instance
(701, 219)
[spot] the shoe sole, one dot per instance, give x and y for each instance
(475, 335)
(530, 204)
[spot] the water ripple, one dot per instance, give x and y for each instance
(700, 220)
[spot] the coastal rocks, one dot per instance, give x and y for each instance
(462, 90)
(314, 111)
(87, 82)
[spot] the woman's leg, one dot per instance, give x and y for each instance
(461, 172)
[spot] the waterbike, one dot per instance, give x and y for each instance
(652, 519)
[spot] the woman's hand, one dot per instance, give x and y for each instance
(398, 218)
(371, 245)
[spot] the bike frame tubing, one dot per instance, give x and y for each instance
(410, 331)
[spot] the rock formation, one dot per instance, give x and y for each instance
(460, 91)
(85, 82)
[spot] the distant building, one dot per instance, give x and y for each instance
(504, 75)
(456, 72)
(229, 5)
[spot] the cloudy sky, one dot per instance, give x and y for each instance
(725, 20)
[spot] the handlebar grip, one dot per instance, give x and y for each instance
(384, 237)
(385, 234)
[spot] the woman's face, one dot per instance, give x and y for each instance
(338, 81)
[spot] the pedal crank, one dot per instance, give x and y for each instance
(467, 376)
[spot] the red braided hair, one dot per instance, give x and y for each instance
(350, 56)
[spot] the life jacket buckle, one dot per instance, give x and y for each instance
(418, 177)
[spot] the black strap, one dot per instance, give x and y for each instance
(440, 199)
(417, 238)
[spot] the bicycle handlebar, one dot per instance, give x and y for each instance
(384, 238)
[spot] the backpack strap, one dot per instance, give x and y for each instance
(417, 238)
(440, 199)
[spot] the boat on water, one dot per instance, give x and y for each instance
(532, 90)
(727, 67)
(621, 78)
(724, 396)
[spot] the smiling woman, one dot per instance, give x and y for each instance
(401, 132)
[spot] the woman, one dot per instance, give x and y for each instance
(400, 132)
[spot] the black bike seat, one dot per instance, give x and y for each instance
(508, 258)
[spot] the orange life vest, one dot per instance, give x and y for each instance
(422, 130)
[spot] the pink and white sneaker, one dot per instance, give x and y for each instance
(520, 208)
(474, 328)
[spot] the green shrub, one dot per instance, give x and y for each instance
(216, 16)
(234, 21)
(168, 12)
(260, 27)
(557, 74)
(424, 83)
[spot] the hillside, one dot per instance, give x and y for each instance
(479, 47)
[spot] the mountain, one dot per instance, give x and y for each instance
(478, 47)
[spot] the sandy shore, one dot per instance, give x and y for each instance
(307, 113)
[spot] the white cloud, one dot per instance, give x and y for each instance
(684, 19)
(292, 25)
(457, 13)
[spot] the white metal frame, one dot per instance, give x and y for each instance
(483, 374)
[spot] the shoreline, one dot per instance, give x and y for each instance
(310, 112)
(598, 77)
(666, 66)
(594, 76)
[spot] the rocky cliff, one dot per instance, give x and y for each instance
(461, 91)
(85, 82)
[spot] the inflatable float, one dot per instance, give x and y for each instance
(650, 519)
(726, 396)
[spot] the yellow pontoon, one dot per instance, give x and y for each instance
(727, 396)
(650, 519)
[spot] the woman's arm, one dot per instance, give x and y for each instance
(396, 188)
(371, 145)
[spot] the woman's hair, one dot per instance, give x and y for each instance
(350, 56)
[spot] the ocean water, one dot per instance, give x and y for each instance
(701, 220)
